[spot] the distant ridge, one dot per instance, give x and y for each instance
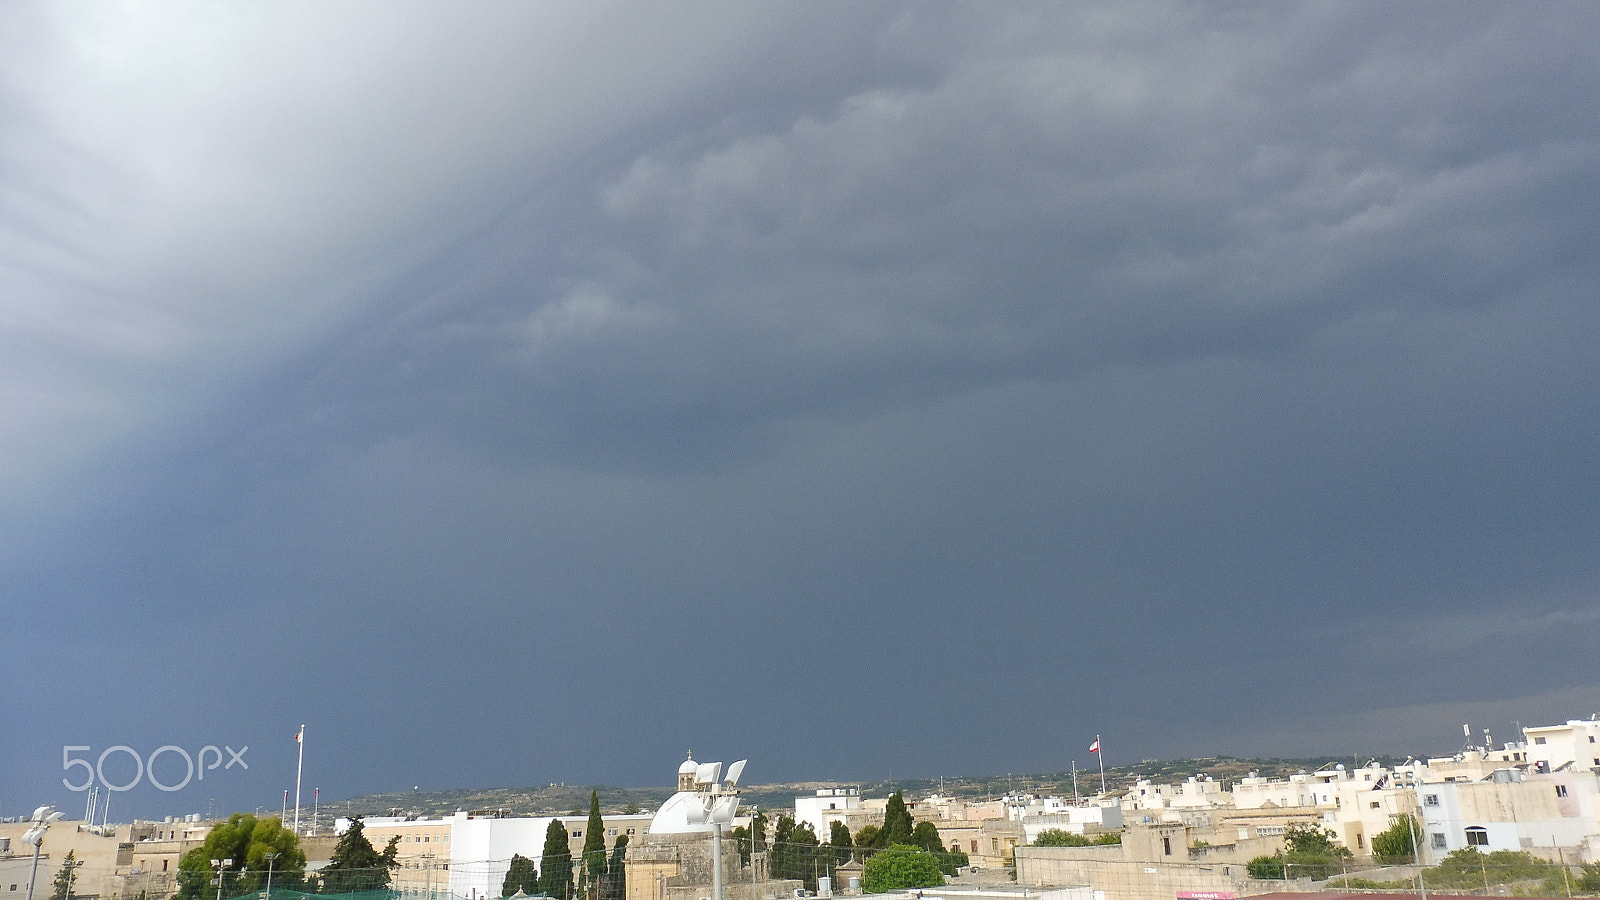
(565, 799)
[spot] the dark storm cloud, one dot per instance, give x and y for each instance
(1134, 369)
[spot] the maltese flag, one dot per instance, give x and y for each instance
(300, 737)
(1095, 747)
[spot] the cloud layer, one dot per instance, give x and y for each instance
(520, 396)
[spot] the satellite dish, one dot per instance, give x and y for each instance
(735, 770)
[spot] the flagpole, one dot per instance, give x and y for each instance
(299, 767)
(1075, 800)
(1100, 754)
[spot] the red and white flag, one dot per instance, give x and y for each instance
(299, 736)
(1095, 747)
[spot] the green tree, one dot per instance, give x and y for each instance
(1055, 837)
(752, 838)
(1589, 881)
(794, 851)
(806, 859)
(522, 876)
(899, 867)
(616, 871)
(870, 837)
(1308, 852)
(65, 879)
(594, 842)
(1394, 845)
(247, 841)
(897, 824)
(840, 846)
(355, 865)
(1110, 837)
(781, 861)
(1265, 868)
(555, 869)
(926, 836)
(1309, 840)
(1469, 868)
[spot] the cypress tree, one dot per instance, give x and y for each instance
(355, 865)
(897, 825)
(64, 883)
(521, 876)
(594, 841)
(555, 869)
(616, 880)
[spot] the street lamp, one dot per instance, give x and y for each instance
(42, 817)
(719, 803)
(270, 858)
(220, 864)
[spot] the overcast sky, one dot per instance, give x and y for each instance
(518, 393)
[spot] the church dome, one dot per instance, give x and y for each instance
(689, 766)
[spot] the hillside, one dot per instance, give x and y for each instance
(552, 799)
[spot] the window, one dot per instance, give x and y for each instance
(1166, 846)
(974, 847)
(1477, 836)
(577, 834)
(1374, 805)
(1430, 799)
(1438, 841)
(1591, 738)
(1538, 740)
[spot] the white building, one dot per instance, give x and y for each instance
(1553, 747)
(1556, 816)
(828, 806)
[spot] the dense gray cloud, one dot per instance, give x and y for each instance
(910, 389)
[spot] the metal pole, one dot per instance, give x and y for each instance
(1416, 857)
(38, 845)
(299, 767)
(270, 858)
